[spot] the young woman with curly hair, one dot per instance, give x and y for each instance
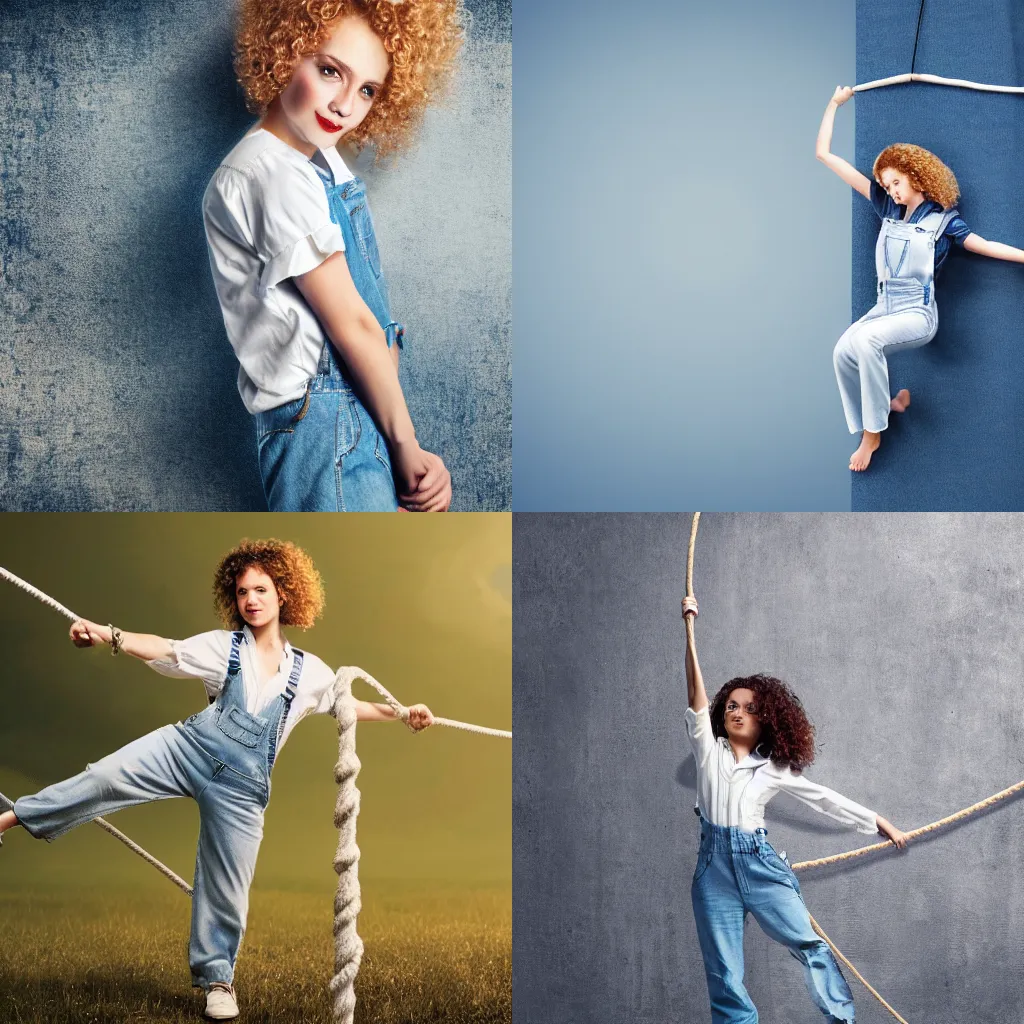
(751, 743)
(259, 688)
(294, 255)
(913, 192)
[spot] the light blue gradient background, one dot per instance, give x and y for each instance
(681, 262)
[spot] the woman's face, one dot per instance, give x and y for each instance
(741, 721)
(332, 90)
(257, 598)
(899, 186)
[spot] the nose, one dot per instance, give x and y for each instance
(344, 100)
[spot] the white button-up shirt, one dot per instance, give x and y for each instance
(735, 793)
(206, 657)
(267, 221)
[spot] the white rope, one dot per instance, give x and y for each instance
(38, 594)
(960, 83)
(134, 847)
(348, 947)
(403, 712)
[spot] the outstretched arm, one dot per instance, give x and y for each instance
(419, 714)
(997, 250)
(823, 149)
(146, 646)
(695, 692)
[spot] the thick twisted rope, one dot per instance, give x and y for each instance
(348, 947)
(967, 812)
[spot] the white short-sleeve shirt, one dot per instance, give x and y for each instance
(734, 793)
(206, 656)
(267, 221)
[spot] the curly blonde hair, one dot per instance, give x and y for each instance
(422, 38)
(927, 173)
(292, 571)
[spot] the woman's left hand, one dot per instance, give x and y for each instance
(890, 831)
(419, 717)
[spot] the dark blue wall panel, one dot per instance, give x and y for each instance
(961, 444)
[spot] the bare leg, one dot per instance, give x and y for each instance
(869, 443)
(901, 402)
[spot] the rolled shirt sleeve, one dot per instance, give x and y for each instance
(204, 656)
(278, 207)
(829, 802)
(699, 732)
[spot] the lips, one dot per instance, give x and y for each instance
(328, 126)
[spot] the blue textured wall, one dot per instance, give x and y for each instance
(961, 444)
(117, 383)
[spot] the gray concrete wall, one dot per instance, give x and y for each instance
(900, 632)
(117, 383)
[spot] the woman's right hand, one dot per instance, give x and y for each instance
(87, 634)
(421, 479)
(841, 95)
(689, 606)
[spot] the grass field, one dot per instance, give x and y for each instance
(100, 954)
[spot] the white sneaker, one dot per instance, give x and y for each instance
(220, 1001)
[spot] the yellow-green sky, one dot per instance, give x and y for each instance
(421, 602)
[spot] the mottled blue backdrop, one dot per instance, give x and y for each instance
(117, 383)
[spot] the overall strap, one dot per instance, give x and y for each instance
(234, 658)
(293, 682)
(944, 222)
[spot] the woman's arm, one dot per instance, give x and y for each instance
(695, 692)
(140, 645)
(421, 476)
(823, 149)
(997, 250)
(838, 807)
(419, 714)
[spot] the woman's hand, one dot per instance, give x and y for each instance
(419, 717)
(87, 634)
(891, 832)
(841, 95)
(689, 607)
(433, 490)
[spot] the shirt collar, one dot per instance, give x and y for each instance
(250, 639)
(753, 760)
(339, 169)
(925, 206)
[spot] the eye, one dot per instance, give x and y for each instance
(369, 92)
(328, 71)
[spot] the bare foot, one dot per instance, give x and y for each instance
(901, 402)
(868, 446)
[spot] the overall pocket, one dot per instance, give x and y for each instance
(241, 726)
(703, 861)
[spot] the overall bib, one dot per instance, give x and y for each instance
(323, 452)
(905, 316)
(221, 757)
(739, 873)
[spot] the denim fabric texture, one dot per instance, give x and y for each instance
(738, 873)
(222, 758)
(904, 317)
(323, 452)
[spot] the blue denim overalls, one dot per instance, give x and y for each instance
(323, 452)
(905, 316)
(738, 872)
(221, 757)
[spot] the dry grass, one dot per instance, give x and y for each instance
(94, 956)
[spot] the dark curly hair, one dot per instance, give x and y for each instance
(787, 736)
(291, 569)
(422, 38)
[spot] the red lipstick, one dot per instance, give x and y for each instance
(327, 125)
